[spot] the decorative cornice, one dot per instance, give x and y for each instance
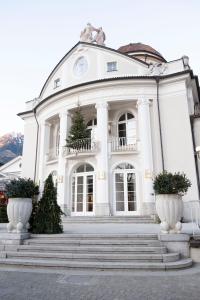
(152, 78)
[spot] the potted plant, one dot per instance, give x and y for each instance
(169, 189)
(20, 193)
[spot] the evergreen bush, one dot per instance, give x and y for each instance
(46, 217)
(168, 183)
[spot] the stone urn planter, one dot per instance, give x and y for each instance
(169, 208)
(20, 192)
(19, 212)
(169, 189)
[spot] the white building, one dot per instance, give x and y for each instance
(10, 170)
(143, 116)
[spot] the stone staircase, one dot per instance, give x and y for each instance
(92, 251)
(109, 219)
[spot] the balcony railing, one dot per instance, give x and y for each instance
(81, 146)
(52, 154)
(121, 144)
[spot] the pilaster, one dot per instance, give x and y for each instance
(102, 199)
(61, 187)
(44, 147)
(146, 155)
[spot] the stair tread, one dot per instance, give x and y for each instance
(111, 256)
(107, 265)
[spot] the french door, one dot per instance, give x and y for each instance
(83, 194)
(125, 192)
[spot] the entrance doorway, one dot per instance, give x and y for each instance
(83, 191)
(125, 190)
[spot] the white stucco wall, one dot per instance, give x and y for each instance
(176, 133)
(29, 147)
(97, 59)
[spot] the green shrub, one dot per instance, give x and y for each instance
(46, 217)
(21, 188)
(168, 183)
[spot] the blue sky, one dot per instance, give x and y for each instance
(35, 35)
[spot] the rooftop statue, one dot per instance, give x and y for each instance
(100, 37)
(86, 35)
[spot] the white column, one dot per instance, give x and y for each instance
(61, 188)
(102, 199)
(146, 154)
(43, 150)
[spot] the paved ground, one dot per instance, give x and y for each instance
(77, 285)
(117, 228)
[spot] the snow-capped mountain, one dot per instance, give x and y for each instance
(11, 145)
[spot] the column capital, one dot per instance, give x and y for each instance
(104, 105)
(45, 124)
(143, 101)
(64, 114)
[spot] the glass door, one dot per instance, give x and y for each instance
(82, 194)
(125, 193)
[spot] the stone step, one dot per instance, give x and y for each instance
(108, 220)
(95, 236)
(168, 257)
(88, 248)
(103, 241)
(125, 266)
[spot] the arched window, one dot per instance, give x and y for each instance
(126, 129)
(83, 190)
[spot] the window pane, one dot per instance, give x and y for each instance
(125, 166)
(89, 205)
(119, 186)
(129, 116)
(79, 198)
(119, 177)
(120, 206)
(80, 206)
(89, 168)
(111, 66)
(80, 169)
(122, 118)
(119, 196)
(95, 121)
(89, 123)
(79, 188)
(131, 206)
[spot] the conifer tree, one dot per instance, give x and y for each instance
(78, 130)
(47, 218)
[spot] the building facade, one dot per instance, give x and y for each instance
(142, 115)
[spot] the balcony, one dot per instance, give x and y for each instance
(52, 155)
(82, 147)
(123, 145)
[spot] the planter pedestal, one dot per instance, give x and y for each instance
(176, 243)
(19, 212)
(169, 208)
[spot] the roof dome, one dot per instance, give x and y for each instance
(141, 51)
